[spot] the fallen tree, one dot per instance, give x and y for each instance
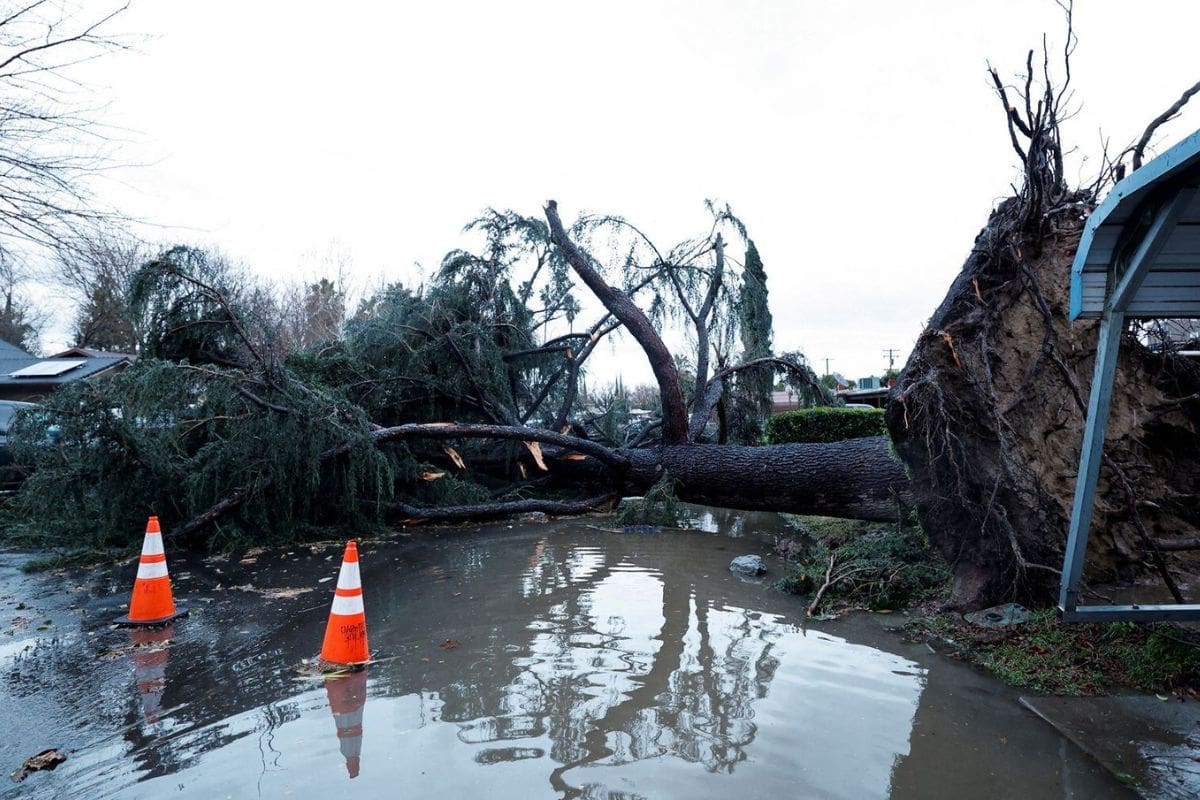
(988, 412)
(224, 435)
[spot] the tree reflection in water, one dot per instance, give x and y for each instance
(623, 666)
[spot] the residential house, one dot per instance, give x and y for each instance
(28, 378)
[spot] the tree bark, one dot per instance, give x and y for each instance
(857, 478)
(638, 325)
(491, 510)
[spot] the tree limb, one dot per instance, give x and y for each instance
(485, 510)
(1140, 148)
(635, 321)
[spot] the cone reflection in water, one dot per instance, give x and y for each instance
(346, 631)
(151, 602)
(347, 696)
(150, 654)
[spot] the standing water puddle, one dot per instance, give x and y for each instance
(527, 661)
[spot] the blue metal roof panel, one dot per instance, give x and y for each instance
(1103, 230)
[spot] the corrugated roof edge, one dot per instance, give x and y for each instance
(1182, 155)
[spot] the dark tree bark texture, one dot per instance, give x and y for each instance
(857, 478)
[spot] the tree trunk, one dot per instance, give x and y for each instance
(858, 478)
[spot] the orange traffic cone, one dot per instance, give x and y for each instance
(346, 631)
(151, 603)
(150, 655)
(347, 696)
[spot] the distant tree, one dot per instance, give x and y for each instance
(20, 324)
(50, 146)
(312, 313)
(96, 270)
(752, 396)
(645, 396)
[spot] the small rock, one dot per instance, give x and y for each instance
(747, 565)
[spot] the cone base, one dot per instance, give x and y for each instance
(126, 622)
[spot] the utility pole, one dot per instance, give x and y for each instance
(827, 372)
(891, 354)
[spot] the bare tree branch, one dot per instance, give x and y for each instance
(1139, 149)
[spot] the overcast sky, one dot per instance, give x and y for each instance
(859, 141)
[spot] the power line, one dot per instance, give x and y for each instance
(891, 354)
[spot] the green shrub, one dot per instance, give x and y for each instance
(825, 425)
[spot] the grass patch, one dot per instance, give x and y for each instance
(1074, 659)
(880, 567)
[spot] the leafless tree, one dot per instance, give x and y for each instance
(20, 323)
(94, 271)
(51, 146)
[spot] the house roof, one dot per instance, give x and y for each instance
(13, 358)
(85, 364)
(1140, 249)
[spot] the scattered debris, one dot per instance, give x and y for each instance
(154, 646)
(449, 644)
(1000, 616)
(273, 594)
(47, 759)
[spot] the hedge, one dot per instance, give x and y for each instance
(825, 425)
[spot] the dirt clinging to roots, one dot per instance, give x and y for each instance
(988, 417)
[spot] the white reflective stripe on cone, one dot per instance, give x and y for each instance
(350, 719)
(346, 606)
(152, 569)
(349, 578)
(152, 545)
(154, 674)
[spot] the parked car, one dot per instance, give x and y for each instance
(11, 474)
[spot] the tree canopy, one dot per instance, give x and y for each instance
(459, 397)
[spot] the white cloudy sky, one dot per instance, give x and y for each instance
(858, 140)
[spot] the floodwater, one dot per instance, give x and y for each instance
(540, 660)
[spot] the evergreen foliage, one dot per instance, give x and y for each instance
(16, 323)
(186, 305)
(19, 325)
(659, 506)
(276, 403)
(172, 439)
(752, 395)
(103, 322)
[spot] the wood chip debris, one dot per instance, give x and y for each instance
(47, 759)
